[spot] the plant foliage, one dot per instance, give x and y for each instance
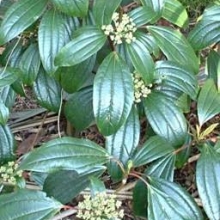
(131, 68)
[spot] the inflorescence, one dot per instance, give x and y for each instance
(9, 173)
(140, 89)
(123, 28)
(100, 207)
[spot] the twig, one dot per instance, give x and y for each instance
(39, 130)
(59, 113)
(36, 123)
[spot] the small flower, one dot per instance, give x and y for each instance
(101, 206)
(120, 29)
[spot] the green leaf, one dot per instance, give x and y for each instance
(112, 94)
(96, 185)
(18, 87)
(175, 46)
(79, 110)
(8, 76)
(55, 184)
(7, 144)
(165, 118)
(4, 113)
(167, 200)
(213, 67)
(54, 32)
(153, 149)
(174, 75)
(75, 77)
(77, 8)
(122, 144)
(207, 180)
(140, 199)
(28, 205)
(141, 59)
(175, 13)
(65, 154)
(7, 95)
(20, 16)
(143, 15)
(149, 42)
(88, 40)
(12, 53)
(207, 30)
(163, 167)
(208, 102)
(157, 5)
(47, 91)
(103, 11)
(30, 64)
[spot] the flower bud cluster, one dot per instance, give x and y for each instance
(140, 89)
(123, 28)
(8, 173)
(100, 207)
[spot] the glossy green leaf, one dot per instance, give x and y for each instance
(56, 185)
(156, 5)
(183, 155)
(207, 180)
(149, 42)
(7, 144)
(76, 8)
(153, 149)
(12, 53)
(165, 118)
(122, 144)
(207, 30)
(167, 200)
(5, 4)
(4, 113)
(18, 87)
(140, 199)
(175, 13)
(65, 154)
(141, 59)
(176, 76)
(7, 95)
(79, 110)
(54, 32)
(208, 102)
(163, 167)
(175, 46)
(96, 185)
(88, 40)
(20, 16)
(75, 77)
(213, 67)
(143, 15)
(28, 205)
(122, 50)
(30, 64)
(103, 11)
(47, 91)
(112, 94)
(8, 76)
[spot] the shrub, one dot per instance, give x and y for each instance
(112, 64)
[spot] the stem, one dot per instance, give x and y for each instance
(182, 148)
(9, 57)
(135, 174)
(119, 164)
(59, 113)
